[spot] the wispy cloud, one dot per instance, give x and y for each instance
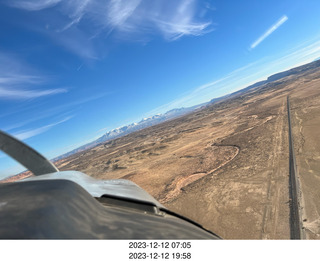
(119, 11)
(76, 24)
(17, 81)
(32, 5)
(27, 94)
(50, 154)
(20, 79)
(23, 135)
(172, 19)
(65, 108)
(205, 92)
(242, 77)
(274, 27)
(181, 22)
(304, 53)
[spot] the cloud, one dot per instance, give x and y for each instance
(127, 18)
(32, 5)
(27, 94)
(72, 105)
(281, 21)
(172, 19)
(65, 108)
(181, 22)
(119, 11)
(245, 76)
(174, 31)
(30, 133)
(304, 53)
(75, 41)
(17, 80)
(208, 91)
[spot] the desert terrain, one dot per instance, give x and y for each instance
(226, 166)
(306, 125)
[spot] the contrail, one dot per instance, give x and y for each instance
(269, 31)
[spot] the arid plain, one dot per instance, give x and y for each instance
(226, 166)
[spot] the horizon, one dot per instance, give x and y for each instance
(62, 156)
(74, 71)
(203, 104)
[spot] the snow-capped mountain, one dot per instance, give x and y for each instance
(144, 123)
(124, 130)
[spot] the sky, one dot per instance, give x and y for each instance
(72, 70)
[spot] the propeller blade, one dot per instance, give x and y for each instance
(25, 155)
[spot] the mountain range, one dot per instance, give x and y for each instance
(156, 119)
(124, 130)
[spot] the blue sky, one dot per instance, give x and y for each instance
(72, 70)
